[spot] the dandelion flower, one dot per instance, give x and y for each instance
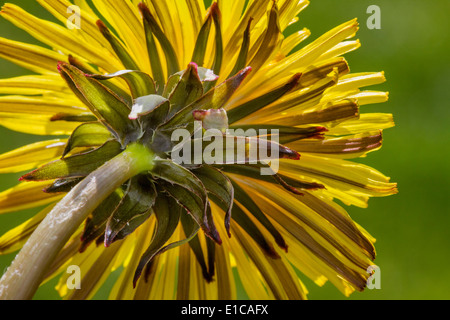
(120, 84)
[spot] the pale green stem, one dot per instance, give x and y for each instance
(27, 271)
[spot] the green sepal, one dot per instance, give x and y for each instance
(245, 200)
(155, 59)
(88, 70)
(149, 124)
(219, 50)
(202, 40)
(96, 222)
(127, 61)
(145, 105)
(214, 233)
(218, 58)
(140, 83)
(212, 119)
(62, 185)
(256, 104)
(90, 134)
(80, 165)
(169, 51)
(211, 251)
(241, 61)
(139, 198)
(219, 185)
(196, 207)
(188, 191)
(132, 225)
(188, 89)
(196, 247)
(83, 117)
(110, 109)
(171, 84)
(204, 74)
(242, 219)
(83, 66)
(63, 69)
(177, 175)
(216, 98)
(168, 215)
(270, 40)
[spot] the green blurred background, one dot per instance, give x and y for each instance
(411, 228)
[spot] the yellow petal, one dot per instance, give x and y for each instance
(334, 231)
(31, 156)
(84, 261)
(251, 278)
(225, 279)
(84, 6)
(168, 271)
(312, 52)
(123, 287)
(294, 103)
(39, 106)
(369, 97)
(280, 278)
(301, 60)
(255, 10)
(33, 85)
(348, 147)
(94, 275)
(60, 264)
(309, 265)
(164, 283)
(328, 114)
(25, 196)
(89, 30)
(358, 80)
(197, 11)
(37, 124)
(341, 49)
(187, 28)
(346, 256)
(270, 43)
(289, 10)
(231, 12)
(125, 19)
(366, 122)
(58, 37)
(184, 272)
(15, 238)
(32, 57)
(353, 178)
(294, 40)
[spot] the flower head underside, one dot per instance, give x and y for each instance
(276, 128)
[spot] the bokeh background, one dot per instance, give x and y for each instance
(412, 228)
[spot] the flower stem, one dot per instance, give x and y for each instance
(28, 269)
